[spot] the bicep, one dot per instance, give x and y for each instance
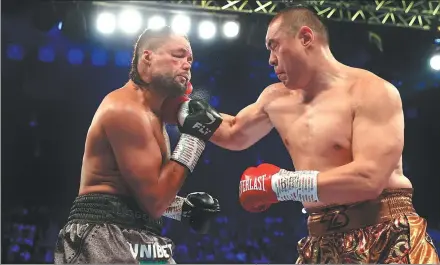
(136, 152)
(378, 130)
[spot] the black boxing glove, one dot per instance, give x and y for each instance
(197, 210)
(199, 119)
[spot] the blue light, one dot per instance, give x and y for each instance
(46, 54)
(195, 65)
(75, 56)
(437, 41)
(99, 57)
(122, 58)
(212, 79)
(60, 25)
(214, 101)
(273, 75)
(252, 75)
(15, 52)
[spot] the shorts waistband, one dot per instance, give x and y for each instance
(115, 209)
(343, 218)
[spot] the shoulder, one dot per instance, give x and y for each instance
(368, 87)
(120, 113)
(270, 92)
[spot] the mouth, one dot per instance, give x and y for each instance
(186, 77)
(281, 76)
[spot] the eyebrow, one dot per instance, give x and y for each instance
(269, 43)
(183, 50)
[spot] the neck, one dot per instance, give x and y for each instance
(148, 96)
(326, 70)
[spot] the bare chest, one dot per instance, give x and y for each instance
(316, 134)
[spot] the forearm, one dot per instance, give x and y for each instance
(222, 137)
(349, 183)
(352, 182)
(160, 195)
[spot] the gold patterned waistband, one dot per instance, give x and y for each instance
(343, 218)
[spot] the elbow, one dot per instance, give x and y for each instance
(231, 143)
(154, 207)
(155, 210)
(238, 142)
(372, 189)
(373, 184)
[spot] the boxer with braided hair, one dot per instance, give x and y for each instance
(129, 177)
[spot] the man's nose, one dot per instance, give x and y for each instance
(186, 66)
(272, 60)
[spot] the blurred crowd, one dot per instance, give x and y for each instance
(29, 236)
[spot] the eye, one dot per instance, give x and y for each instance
(179, 55)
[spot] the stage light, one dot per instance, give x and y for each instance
(46, 54)
(303, 211)
(434, 62)
(106, 23)
(15, 52)
(207, 29)
(122, 58)
(130, 21)
(231, 29)
(75, 56)
(156, 22)
(99, 57)
(181, 24)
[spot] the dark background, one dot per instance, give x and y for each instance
(47, 108)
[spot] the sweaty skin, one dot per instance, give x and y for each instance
(115, 165)
(344, 122)
(127, 148)
(319, 133)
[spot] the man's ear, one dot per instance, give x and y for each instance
(306, 35)
(147, 56)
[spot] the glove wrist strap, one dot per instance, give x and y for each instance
(296, 186)
(188, 151)
(174, 211)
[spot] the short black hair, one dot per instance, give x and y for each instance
(150, 39)
(295, 17)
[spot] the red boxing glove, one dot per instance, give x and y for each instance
(262, 186)
(256, 193)
(189, 89)
(170, 106)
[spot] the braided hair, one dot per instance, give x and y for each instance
(149, 40)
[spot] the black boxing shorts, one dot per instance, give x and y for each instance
(104, 228)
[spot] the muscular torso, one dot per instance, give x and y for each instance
(100, 172)
(318, 133)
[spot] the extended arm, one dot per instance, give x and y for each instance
(245, 129)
